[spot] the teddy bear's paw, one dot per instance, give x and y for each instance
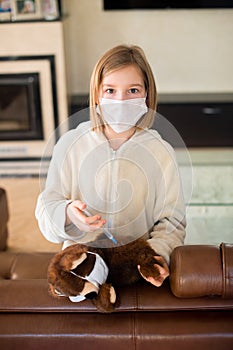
(105, 301)
(155, 271)
(149, 270)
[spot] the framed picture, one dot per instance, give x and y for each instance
(5, 10)
(50, 9)
(26, 10)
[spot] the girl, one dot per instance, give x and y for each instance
(114, 175)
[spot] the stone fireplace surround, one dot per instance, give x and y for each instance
(34, 47)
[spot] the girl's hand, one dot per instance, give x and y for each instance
(75, 214)
(162, 268)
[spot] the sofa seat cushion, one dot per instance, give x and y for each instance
(30, 295)
(24, 288)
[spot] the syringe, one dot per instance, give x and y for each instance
(107, 233)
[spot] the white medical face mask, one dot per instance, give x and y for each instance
(98, 276)
(122, 115)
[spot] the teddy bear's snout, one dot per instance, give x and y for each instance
(90, 290)
(91, 295)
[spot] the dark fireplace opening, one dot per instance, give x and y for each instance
(20, 107)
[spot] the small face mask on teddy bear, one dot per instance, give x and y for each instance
(97, 277)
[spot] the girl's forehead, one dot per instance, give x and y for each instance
(124, 76)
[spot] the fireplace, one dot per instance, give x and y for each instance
(28, 106)
(20, 107)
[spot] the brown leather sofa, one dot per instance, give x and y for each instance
(192, 310)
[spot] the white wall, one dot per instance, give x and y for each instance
(189, 50)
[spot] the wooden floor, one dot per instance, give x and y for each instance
(24, 234)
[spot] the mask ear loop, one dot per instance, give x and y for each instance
(73, 273)
(76, 275)
(59, 293)
(100, 115)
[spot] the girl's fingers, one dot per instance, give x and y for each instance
(76, 214)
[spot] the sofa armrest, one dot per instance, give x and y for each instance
(202, 270)
(4, 217)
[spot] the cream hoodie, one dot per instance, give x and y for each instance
(137, 189)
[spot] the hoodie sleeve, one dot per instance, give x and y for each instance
(52, 202)
(169, 212)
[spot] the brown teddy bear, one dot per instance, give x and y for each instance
(81, 272)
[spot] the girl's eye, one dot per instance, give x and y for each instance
(133, 91)
(109, 91)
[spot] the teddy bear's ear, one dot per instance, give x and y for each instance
(71, 257)
(78, 261)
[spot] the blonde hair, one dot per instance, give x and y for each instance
(116, 58)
